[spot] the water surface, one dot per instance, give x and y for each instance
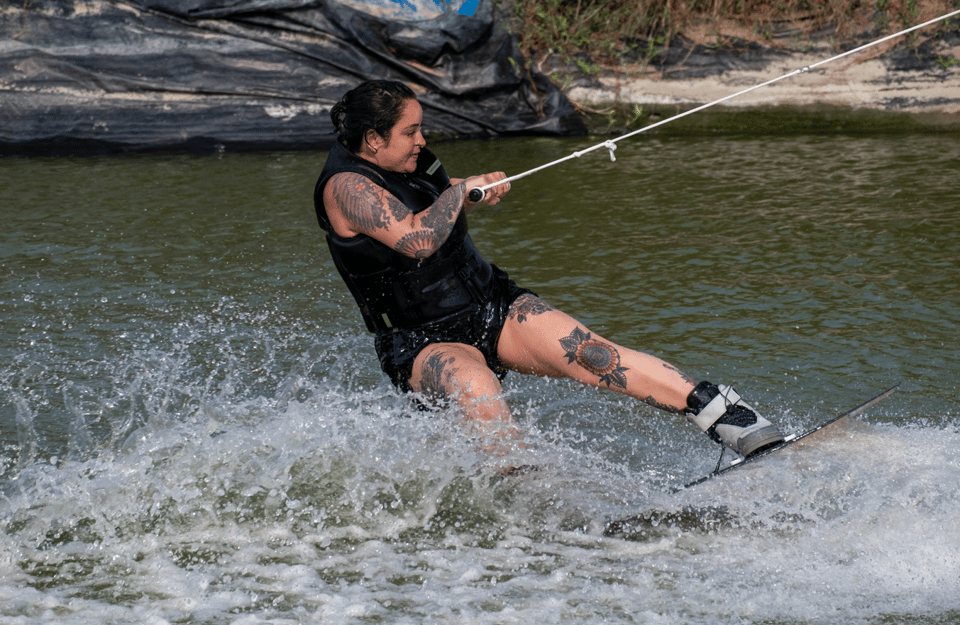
(194, 429)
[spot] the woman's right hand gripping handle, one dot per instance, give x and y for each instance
(478, 195)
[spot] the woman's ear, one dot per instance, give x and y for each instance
(373, 140)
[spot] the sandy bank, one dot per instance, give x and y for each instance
(919, 87)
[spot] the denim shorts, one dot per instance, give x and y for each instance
(480, 327)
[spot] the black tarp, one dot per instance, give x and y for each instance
(87, 76)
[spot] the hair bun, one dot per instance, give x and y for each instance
(338, 115)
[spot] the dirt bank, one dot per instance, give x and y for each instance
(886, 88)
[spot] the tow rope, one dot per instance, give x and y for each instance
(478, 193)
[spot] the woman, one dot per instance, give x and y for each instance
(448, 324)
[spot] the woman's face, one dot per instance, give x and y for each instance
(401, 148)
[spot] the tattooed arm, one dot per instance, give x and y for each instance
(355, 205)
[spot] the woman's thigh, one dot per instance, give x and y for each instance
(541, 340)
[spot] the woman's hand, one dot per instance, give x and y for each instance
(493, 194)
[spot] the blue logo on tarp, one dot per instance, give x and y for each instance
(467, 7)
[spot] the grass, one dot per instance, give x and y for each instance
(572, 39)
(591, 32)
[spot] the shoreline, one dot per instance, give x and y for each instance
(889, 90)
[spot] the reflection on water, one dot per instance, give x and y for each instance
(193, 426)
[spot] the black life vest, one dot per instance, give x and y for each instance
(393, 290)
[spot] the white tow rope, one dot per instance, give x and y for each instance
(478, 193)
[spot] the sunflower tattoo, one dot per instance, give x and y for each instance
(594, 356)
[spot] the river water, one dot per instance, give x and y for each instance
(195, 429)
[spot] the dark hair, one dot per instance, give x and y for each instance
(373, 105)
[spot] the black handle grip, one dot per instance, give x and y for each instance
(476, 194)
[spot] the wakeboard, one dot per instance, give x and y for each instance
(793, 439)
(642, 524)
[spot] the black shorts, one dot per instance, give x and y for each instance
(480, 328)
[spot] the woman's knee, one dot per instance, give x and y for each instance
(454, 372)
(458, 374)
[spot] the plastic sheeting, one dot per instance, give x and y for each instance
(88, 76)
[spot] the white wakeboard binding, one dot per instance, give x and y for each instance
(719, 411)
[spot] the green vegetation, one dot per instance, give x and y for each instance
(570, 40)
(588, 32)
(947, 61)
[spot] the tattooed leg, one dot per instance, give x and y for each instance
(436, 375)
(541, 340)
(597, 357)
(528, 306)
(456, 373)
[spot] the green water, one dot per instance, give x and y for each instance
(797, 267)
(815, 264)
(194, 428)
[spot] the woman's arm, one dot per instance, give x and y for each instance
(355, 205)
